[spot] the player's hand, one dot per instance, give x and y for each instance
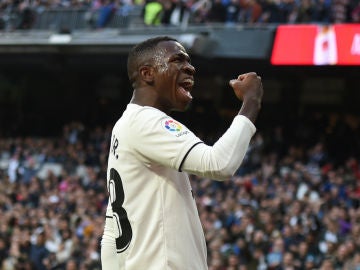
(248, 86)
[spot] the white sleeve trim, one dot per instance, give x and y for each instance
(220, 161)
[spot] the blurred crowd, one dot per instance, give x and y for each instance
(52, 198)
(23, 13)
(293, 204)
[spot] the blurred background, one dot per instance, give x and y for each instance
(293, 203)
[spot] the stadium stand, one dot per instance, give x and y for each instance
(292, 203)
(122, 14)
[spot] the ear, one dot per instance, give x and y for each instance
(147, 73)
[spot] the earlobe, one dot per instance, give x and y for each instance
(147, 73)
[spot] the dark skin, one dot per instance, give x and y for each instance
(248, 88)
(166, 80)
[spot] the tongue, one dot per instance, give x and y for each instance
(184, 92)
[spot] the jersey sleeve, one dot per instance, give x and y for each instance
(221, 160)
(156, 137)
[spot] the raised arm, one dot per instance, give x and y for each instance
(221, 160)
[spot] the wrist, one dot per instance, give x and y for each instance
(250, 108)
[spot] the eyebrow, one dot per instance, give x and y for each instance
(183, 55)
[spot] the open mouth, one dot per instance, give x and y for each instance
(186, 86)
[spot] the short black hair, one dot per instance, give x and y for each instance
(145, 49)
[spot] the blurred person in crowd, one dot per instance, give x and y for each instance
(13, 167)
(168, 8)
(277, 11)
(200, 10)
(355, 13)
(39, 253)
(353, 263)
(3, 250)
(233, 262)
(99, 15)
(303, 258)
(176, 13)
(151, 203)
(217, 12)
(305, 12)
(327, 264)
(250, 11)
(106, 13)
(341, 256)
(288, 262)
(339, 11)
(16, 14)
(26, 15)
(71, 264)
(65, 246)
(232, 12)
(74, 132)
(28, 170)
(276, 255)
(322, 11)
(153, 12)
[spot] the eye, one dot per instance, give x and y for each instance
(177, 59)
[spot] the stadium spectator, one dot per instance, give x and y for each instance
(106, 13)
(305, 12)
(38, 251)
(277, 11)
(339, 11)
(200, 10)
(355, 13)
(322, 11)
(175, 13)
(217, 12)
(153, 12)
(26, 16)
(232, 12)
(250, 11)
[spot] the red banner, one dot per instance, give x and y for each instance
(337, 44)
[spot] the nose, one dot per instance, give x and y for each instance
(189, 69)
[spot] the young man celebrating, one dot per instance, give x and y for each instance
(152, 222)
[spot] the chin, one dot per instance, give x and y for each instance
(186, 105)
(182, 107)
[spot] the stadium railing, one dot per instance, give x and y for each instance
(81, 18)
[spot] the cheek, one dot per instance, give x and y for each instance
(164, 72)
(169, 76)
(163, 68)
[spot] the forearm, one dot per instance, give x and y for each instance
(223, 159)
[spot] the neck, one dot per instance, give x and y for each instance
(146, 97)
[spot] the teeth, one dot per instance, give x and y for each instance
(188, 82)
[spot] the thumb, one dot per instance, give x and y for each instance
(242, 76)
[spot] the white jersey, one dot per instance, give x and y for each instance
(152, 215)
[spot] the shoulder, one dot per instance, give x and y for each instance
(141, 119)
(145, 115)
(150, 121)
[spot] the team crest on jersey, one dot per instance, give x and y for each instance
(174, 127)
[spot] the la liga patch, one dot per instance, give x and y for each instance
(174, 127)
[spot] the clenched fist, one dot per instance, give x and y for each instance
(248, 88)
